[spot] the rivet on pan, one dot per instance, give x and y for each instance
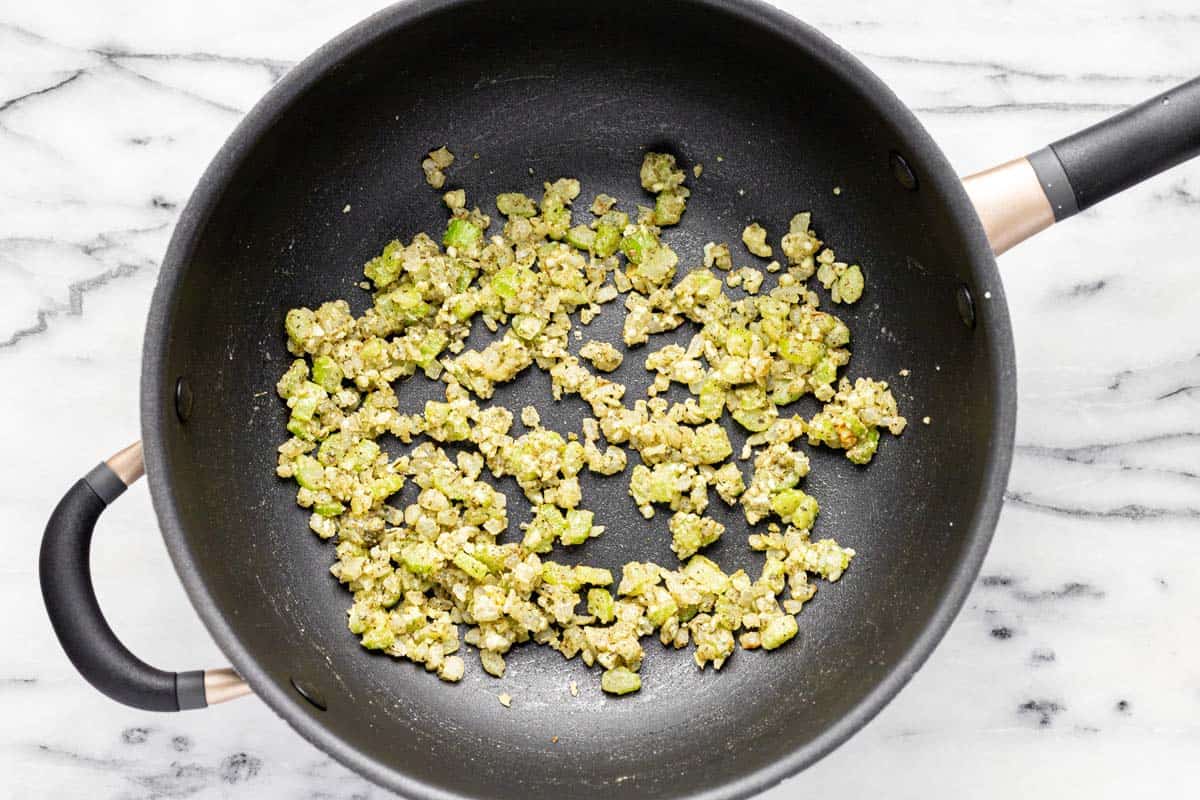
(308, 693)
(902, 171)
(966, 306)
(183, 399)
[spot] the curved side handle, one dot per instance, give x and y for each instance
(66, 577)
(1017, 199)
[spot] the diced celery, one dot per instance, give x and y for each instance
(419, 558)
(712, 398)
(385, 268)
(593, 576)
(465, 274)
(617, 219)
(402, 305)
(785, 502)
(463, 235)
(662, 487)
(378, 638)
(620, 680)
(606, 240)
(436, 413)
(490, 554)
(470, 565)
(798, 350)
(547, 525)
(302, 429)
(778, 631)
(360, 456)
(299, 323)
(659, 172)
(661, 611)
(430, 347)
(728, 614)
(293, 379)
(795, 508)
(636, 245)
(556, 216)
(771, 328)
(333, 448)
(527, 326)
(578, 527)
(850, 284)
(385, 487)
(657, 265)
(374, 353)
(784, 393)
(330, 509)
(557, 574)
(770, 307)
(669, 207)
(712, 444)
(825, 371)
(755, 419)
(738, 342)
(327, 373)
(462, 306)
(581, 237)
(308, 397)
(838, 335)
(600, 604)
(705, 572)
(506, 281)
(637, 578)
(864, 450)
(309, 472)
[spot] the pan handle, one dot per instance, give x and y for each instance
(1017, 199)
(66, 577)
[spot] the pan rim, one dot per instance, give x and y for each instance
(157, 411)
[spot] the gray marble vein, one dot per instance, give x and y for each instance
(1071, 670)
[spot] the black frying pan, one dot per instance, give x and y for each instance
(582, 91)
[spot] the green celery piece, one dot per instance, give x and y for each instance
(327, 373)
(778, 631)
(581, 237)
(463, 235)
(579, 526)
(470, 565)
(308, 472)
(606, 241)
(600, 604)
(330, 509)
(620, 680)
(419, 558)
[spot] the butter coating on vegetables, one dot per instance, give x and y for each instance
(454, 562)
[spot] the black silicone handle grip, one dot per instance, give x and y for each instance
(1128, 148)
(66, 576)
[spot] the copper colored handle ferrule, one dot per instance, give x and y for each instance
(1010, 202)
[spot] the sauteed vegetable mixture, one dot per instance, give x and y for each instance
(447, 568)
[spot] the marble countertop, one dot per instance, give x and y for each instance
(1071, 671)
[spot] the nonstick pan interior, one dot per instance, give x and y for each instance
(778, 119)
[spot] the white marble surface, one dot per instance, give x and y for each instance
(1073, 670)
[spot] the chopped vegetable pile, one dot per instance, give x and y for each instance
(422, 572)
